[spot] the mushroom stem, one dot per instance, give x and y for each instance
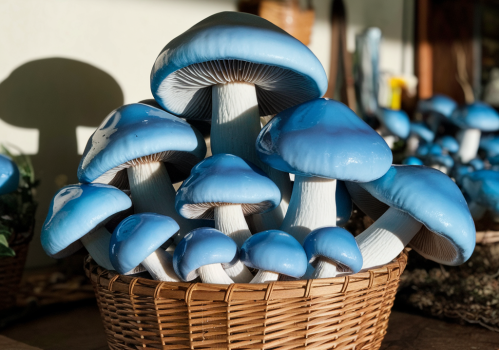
(469, 141)
(97, 245)
(160, 266)
(239, 273)
(214, 273)
(327, 269)
(152, 191)
(412, 145)
(386, 238)
(312, 205)
(235, 126)
(265, 276)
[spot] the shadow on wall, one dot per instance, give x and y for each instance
(55, 95)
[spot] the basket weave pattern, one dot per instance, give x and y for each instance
(341, 313)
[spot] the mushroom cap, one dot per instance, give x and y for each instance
(440, 159)
(77, 210)
(478, 164)
(134, 131)
(137, 237)
(275, 251)
(412, 161)
(448, 143)
(422, 131)
(344, 204)
(200, 247)
(396, 121)
(459, 171)
(335, 244)
(430, 197)
(9, 175)
(477, 115)
(229, 47)
(323, 138)
(482, 187)
(490, 145)
(222, 179)
(439, 104)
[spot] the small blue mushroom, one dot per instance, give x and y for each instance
(204, 252)
(412, 161)
(448, 144)
(9, 175)
(395, 125)
(332, 250)
(274, 252)
(137, 240)
(438, 108)
(482, 187)
(419, 131)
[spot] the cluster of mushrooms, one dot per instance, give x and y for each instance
(237, 216)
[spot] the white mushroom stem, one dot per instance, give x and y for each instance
(153, 192)
(235, 126)
(386, 238)
(160, 266)
(97, 245)
(440, 167)
(214, 273)
(265, 276)
(327, 269)
(312, 205)
(469, 141)
(412, 145)
(229, 219)
(387, 136)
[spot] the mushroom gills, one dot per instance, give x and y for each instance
(160, 266)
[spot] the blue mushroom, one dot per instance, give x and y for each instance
(204, 252)
(320, 141)
(418, 131)
(344, 205)
(414, 205)
(442, 162)
(490, 145)
(9, 175)
(473, 119)
(274, 252)
(332, 250)
(412, 161)
(478, 164)
(135, 145)
(137, 240)
(77, 215)
(448, 144)
(482, 187)
(438, 108)
(395, 125)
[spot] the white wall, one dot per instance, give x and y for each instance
(121, 39)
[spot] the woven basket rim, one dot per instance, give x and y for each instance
(371, 279)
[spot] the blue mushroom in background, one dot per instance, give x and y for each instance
(418, 132)
(412, 161)
(395, 125)
(438, 108)
(9, 175)
(482, 187)
(448, 144)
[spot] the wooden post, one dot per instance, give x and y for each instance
(425, 59)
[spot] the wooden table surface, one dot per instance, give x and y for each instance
(78, 327)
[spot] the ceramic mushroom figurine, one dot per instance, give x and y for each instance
(482, 188)
(438, 108)
(77, 216)
(274, 252)
(395, 125)
(202, 253)
(143, 147)
(416, 206)
(233, 68)
(320, 141)
(138, 239)
(418, 132)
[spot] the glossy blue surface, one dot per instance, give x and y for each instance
(490, 145)
(478, 164)
(448, 143)
(482, 187)
(395, 121)
(9, 175)
(225, 178)
(76, 210)
(323, 138)
(244, 37)
(275, 251)
(477, 115)
(336, 244)
(133, 131)
(440, 104)
(202, 246)
(344, 204)
(432, 198)
(137, 237)
(412, 161)
(422, 131)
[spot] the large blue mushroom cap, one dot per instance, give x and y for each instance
(477, 115)
(344, 205)
(222, 179)
(9, 175)
(134, 131)
(235, 47)
(482, 187)
(275, 251)
(396, 121)
(323, 138)
(200, 247)
(431, 198)
(448, 143)
(422, 131)
(438, 104)
(77, 210)
(137, 237)
(335, 244)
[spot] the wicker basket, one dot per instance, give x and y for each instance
(11, 269)
(341, 313)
